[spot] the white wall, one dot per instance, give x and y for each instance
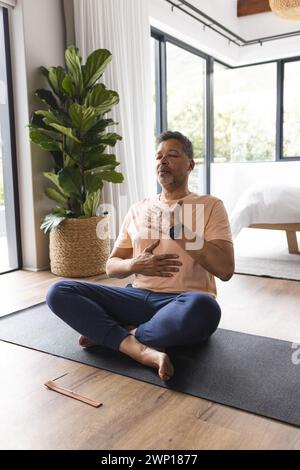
(37, 38)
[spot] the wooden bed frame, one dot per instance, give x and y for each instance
(290, 230)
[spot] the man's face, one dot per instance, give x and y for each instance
(172, 164)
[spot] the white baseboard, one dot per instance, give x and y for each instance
(35, 270)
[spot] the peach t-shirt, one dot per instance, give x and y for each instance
(191, 275)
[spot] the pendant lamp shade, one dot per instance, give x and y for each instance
(287, 9)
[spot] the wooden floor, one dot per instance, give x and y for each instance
(136, 415)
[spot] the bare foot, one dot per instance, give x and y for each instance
(155, 358)
(148, 356)
(132, 330)
(86, 342)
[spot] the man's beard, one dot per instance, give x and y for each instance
(166, 178)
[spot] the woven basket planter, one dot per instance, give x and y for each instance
(76, 250)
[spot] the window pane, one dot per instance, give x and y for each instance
(185, 104)
(291, 119)
(153, 81)
(244, 113)
(8, 240)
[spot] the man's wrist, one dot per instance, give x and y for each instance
(132, 266)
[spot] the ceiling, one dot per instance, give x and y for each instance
(248, 27)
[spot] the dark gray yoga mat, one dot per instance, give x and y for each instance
(248, 372)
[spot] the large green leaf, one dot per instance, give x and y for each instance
(45, 72)
(93, 182)
(108, 167)
(70, 181)
(68, 161)
(55, 78)
(93, 137)
(73, 149)
(83, 118)
(47, 97)
(52, 220)
(90, 152)
(100, 126)
(112, 176)
(71, 146)
(73, 63)
(95, 66)
(53, 177)
(53, 117)
(37, 122)
(75, 205)
(56, 196)
(68, 86)
(101, 98)
(110, 139)
(63, 130)
(92, 203)
(42, 139)
(58, 159)
(97, 159)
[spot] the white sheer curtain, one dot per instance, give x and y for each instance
(123, 27)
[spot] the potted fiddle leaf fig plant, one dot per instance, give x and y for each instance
(73, 128)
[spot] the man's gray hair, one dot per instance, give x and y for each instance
(187, 145)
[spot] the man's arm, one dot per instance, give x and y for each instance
(216, 256)
(119, 263)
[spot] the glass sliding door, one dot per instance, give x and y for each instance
(186, 83)
(9, 241)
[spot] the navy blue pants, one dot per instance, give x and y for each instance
(101, 312)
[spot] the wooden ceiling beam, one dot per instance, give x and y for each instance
(252, 7)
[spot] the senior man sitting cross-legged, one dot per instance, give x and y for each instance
(172, 300)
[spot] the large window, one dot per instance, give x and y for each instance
(231, 114)
(291, 116)
(245, 113)
(9, 253)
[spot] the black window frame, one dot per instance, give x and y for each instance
(13, 226)
(281, 104)
(161, 98)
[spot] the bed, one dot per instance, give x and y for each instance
(274, 206)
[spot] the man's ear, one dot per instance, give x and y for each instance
(192, 164)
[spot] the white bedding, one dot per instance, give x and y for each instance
(268, 203)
